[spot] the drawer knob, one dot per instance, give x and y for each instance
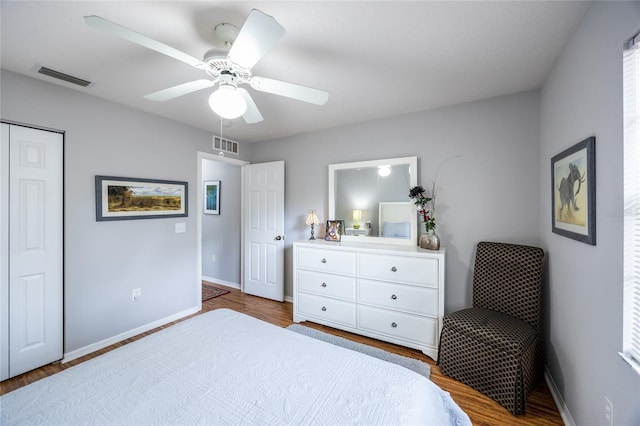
(324, 261)
(394, 325)
(324, 284)
(324, 308)
(394, 269)
(394, 297)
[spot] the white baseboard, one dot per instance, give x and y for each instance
(86, 350)
(221, 282)
(557, 397)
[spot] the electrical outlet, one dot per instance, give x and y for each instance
(213, 257)
(608, 411)
(136, 294)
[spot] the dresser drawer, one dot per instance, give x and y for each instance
(327, 309)
(412, 299)
(413, 270)
(327, 285)
(338, 262)
(416, 329)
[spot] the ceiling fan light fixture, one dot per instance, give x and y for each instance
(227, 65)
(227, 33)
(227, 102)
(384, 171)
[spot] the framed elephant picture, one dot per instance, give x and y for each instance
(573, 188)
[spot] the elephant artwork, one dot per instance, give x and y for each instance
(573, 192)
(570, 192)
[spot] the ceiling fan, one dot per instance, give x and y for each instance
(257, 36)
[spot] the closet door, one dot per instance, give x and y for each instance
(35, 248)
(4, 252)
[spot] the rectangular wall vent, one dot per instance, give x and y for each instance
(225, 145)
(50, 72)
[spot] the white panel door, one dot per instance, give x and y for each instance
(35, 248)
(4, 252)
(263, 228)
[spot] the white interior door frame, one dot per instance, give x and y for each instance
(213, 157)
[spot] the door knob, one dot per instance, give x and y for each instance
(279, 237)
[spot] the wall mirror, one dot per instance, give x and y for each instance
(372, 197)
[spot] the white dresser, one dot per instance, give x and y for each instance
(391, 293)
(359, 231)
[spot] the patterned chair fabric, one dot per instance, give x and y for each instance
(495, 347)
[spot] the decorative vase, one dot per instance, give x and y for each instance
(430, 241)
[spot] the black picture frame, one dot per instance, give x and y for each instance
(573, 207)
(124, 198)
(211, 197)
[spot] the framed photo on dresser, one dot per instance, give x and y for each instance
(334, 230)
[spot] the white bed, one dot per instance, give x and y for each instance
(223, 367)
(395, 219)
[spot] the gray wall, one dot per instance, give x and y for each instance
(583, 97)
(221, 233)
(488, 193)
(104, 261)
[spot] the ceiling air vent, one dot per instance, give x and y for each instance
(225, 145)
(61, 76)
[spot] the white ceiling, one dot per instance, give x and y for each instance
(376, 59)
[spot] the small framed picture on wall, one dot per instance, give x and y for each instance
(211, 193)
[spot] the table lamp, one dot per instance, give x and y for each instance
(312, 219)
(357, 216)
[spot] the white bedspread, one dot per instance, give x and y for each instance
(223, 367)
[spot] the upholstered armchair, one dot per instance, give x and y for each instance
(496, 347)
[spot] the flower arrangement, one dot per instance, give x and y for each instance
(426, 206)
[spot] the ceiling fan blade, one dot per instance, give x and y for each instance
(252, 114)
(257, 36)
(142, 40)
(290, 90)
(180, 89)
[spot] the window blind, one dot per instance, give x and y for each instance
(631, 314)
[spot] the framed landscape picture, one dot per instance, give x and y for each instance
(120, 198)
(573, 186)
(211, 193)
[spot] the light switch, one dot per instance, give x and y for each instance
(181, 227)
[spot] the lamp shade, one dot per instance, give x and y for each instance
(227, 102)
(357, 215)
(312, 218)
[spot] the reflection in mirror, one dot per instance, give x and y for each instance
(372, 198)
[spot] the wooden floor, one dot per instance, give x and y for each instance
(541, 409)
